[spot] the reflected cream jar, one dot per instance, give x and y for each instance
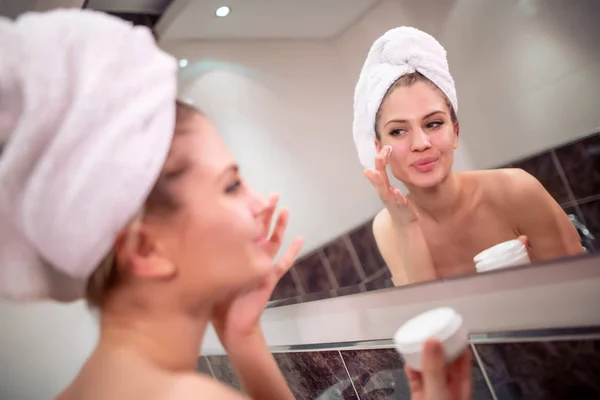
(443, 324)
(507, 254)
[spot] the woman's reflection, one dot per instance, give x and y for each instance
(446, 218)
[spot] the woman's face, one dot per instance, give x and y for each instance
(416, 122)
(215, 241)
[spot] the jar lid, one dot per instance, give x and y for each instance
(439, 323)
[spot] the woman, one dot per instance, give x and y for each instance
(406, 117)
(112, 190)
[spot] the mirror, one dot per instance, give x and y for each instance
(279, 84)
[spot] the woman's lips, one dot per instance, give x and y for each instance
(425, 164)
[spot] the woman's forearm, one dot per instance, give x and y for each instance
(415, 255)
(259, 374)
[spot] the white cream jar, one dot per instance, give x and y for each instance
(507, 254)
(443, 324)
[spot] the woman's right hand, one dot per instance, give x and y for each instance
(394, 201)
(439, 381)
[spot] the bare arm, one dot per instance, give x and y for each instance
(404, 250)
(195, 386)
(538, 216)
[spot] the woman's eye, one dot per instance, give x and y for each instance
(234, 187)
(435, 124)
(397, 132)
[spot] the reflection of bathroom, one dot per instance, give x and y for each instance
(285, 109)
(293, 103)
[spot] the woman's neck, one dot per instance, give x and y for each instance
(440, 201)
(164, 338)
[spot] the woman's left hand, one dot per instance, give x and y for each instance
(238, 317)
(525, 240)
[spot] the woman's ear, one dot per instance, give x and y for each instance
(377, 145)
(141, 254)
(456, 128)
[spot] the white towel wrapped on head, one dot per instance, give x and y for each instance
(87, 111)
(397, 52)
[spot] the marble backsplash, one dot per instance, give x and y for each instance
(352, 264)
(540, 370)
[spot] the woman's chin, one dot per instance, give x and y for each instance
(263, 264)
(428, 179)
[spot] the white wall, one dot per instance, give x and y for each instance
(525, 80)
(42, 347)
(285, 119)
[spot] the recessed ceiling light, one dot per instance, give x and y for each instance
(222, 11)
(183, 63)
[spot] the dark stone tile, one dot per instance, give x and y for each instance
(326, 294)
(591, 220)
(312, 274)
(366, 249)
(581, 163)
(544, 169)
(348, 290)
(203, 366)
(559, 370)
(379, 374)
(224, 372)
(481, 390)
(286, 288)
(316, 375)
(282, 302)
(576, 216)
(574, 211)
(380, 281)
(341, 263)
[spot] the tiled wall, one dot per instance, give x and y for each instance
(352, 263)
(561, 370)
(571, 174)
(551, 370)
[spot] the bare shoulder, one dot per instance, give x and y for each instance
(501, 176)
(507, 185)
(196, 386)
(384, 234)
(381, 224)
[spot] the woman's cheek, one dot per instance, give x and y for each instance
(445, 141)
(397, 166)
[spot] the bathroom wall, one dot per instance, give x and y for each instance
(338, 375)
(526, 74)
(545, 369)
(351, 263)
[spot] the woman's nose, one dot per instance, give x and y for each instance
(258, 203)
(420, 141)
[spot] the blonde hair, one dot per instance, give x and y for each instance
(162, 198)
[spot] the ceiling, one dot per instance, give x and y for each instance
(14, 8)
(259, 19)
(248, 20)
(130, 6)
